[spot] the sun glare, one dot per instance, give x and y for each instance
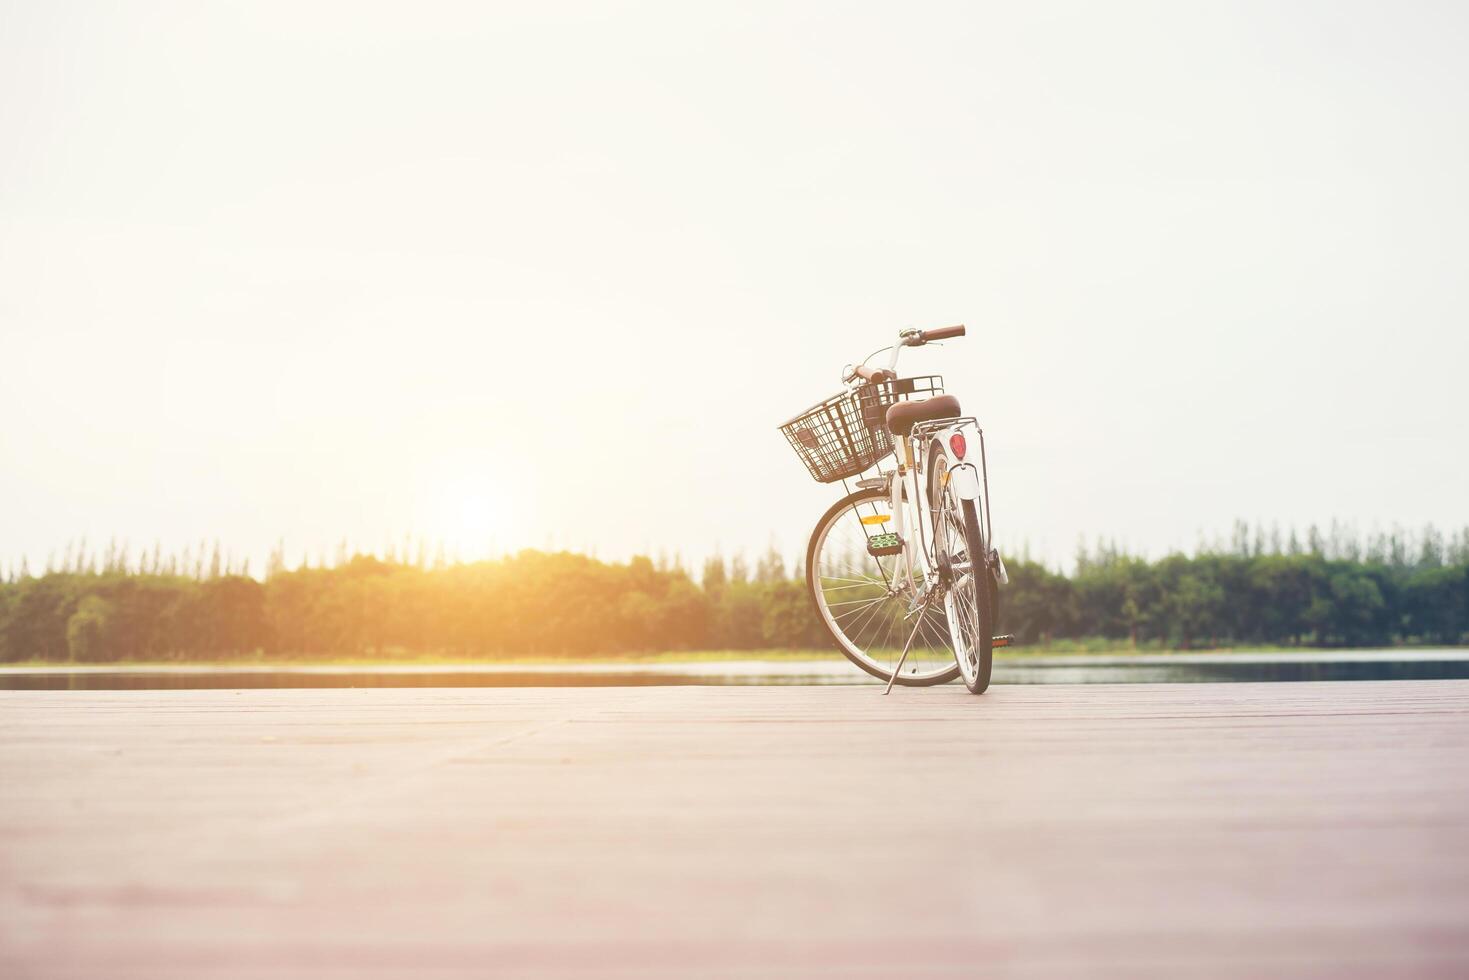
(470, 511)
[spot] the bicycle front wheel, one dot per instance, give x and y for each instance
(866, 601)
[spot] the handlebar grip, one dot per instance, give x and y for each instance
(942, 333)
(874, 375)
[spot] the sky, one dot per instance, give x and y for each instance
(551, 275)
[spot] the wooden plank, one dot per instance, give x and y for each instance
(1131, 830)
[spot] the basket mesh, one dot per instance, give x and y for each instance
(845, 434)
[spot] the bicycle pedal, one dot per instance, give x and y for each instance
(883, 545)
(1003, 641)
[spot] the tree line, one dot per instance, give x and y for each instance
(1320, 590)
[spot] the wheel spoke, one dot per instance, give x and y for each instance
(868, 603)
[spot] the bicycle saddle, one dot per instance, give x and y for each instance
(903, 416)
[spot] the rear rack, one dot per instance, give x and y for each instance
(933, 425)
(923, 429)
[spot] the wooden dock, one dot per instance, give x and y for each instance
(1261, 830)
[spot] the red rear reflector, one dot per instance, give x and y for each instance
(957, 443)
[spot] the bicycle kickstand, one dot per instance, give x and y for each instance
(922, 608)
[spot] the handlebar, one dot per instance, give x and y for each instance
(942, 333)
(874, 375)
(906, 338)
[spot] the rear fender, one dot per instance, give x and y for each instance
(964, 478)
(963, 475)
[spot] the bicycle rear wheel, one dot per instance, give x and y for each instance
(866, 602)
(971, 600)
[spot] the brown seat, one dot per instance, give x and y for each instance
(903, 416)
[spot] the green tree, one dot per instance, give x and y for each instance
(87, 631)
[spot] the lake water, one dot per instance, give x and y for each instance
(1354, 665)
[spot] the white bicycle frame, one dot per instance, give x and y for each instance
(962, 475)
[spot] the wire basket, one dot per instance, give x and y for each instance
(845, 434)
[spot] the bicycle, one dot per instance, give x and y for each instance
(901, 569)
